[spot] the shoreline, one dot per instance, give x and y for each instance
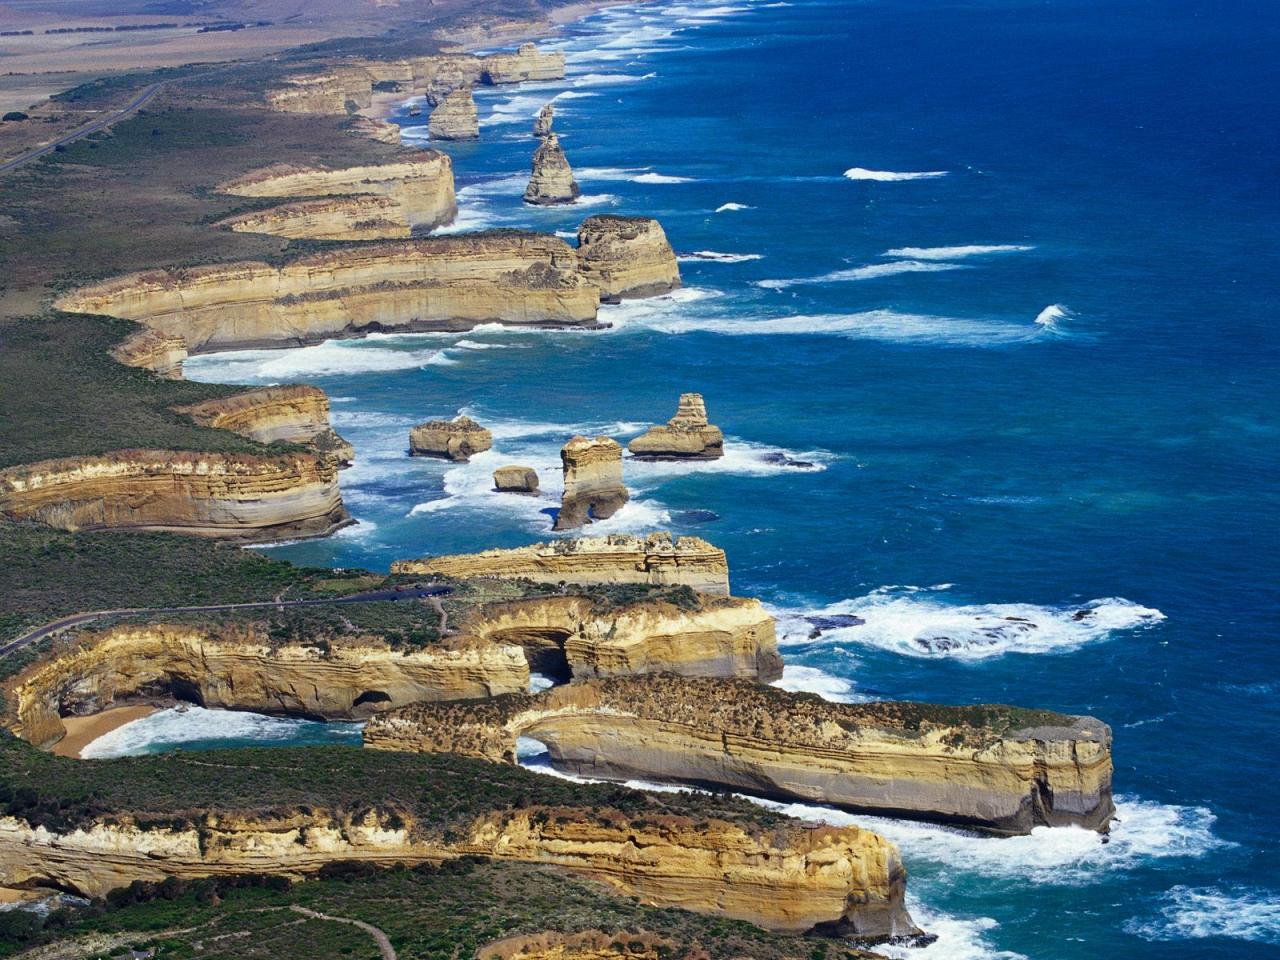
(82, 731)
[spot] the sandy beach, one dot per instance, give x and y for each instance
(82, 731)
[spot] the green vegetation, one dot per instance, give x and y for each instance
(428, 913)
(14, 116)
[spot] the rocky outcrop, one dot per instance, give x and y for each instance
(384, 131)
(552, 180)
(454, 117)
(449, 76)
(515, 479)
(593, 488)
(160, 353)
(627, 256)
(999, 769)
(657, 559)
(421, 183)
(242, 496)
(337, 89)
(292, 414)
(361, 217)
(435, 283)
(543, 121)
(786, 877)
(687, 435)
(239, 667)
(573, 637)
(527, 63)
(458, 439)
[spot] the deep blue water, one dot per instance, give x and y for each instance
(970, 464)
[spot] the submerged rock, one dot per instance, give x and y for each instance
(454, 118)
(542, 122)
(552, 178)
(593, 487)
(627, 256)
(515, 479)
(456, 440)
(687, 435)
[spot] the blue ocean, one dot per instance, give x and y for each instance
(983, 295)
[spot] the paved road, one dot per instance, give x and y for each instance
(370, 596)
(134, 105)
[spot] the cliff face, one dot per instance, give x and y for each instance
(458, 439)
(209, 494)
(297, 413)
(362, 217)
(150, 350)
(593, 487)
(627, 256)
(787, 878)
(421, 183)
(545, 118)
(655, 559)
(527, 63)
(454, 117)
(687, 435)
(569, 637)
(551, 180)
(439, 283)
(973, 766)
(337, 89)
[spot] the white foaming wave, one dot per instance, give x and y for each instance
(175, 726)
(333, 357)
(959, 938)
(609, 79)
(509, 184)
(798, 679)
(916, 622)
(537, 683)
(715, 256)
(869, 272)
(662, 178)
(1050, 315)
(730, 207)
(1196, 913)
(955, 253)
(891, 176)
(608, 173)
(591, 200)
(741, 457)
(522, 107)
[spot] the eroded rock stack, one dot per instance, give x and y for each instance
(627, 256)
(527, 63)
(515, 479)
(552, 178)
(458, 439)
(454, 117)
(593, 487)
(687, 435)
(542, 122)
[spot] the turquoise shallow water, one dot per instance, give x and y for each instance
(1039, 381)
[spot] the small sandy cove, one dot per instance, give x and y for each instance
(82, 731)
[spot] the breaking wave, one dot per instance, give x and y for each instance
(1196, 913)
(1050, 315)
(715, 256)
(955, 253)
(799, 679)
(661, 178)
(331, 358)
(869, 272)
(730, 207)
(192, 727)
(890, 176)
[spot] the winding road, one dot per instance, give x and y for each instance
(370, 596)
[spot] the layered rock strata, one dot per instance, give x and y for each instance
(787, 877)
(421, 183)
(998, 769)
(384, 131)
(527, 63)
(543, 121)
(515, 479)
(551, 180)
(455, 118)
(360, 217)
(436, 283)
(160, 353)
(241, 496)
(337, 89)
(297, 413)
(593, 488)
(656, 559)
(458, 439)
(687, 435)
(627, 256)
(240, 668)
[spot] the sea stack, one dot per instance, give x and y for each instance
(687, 435)
(449, 76)
(627, 256)
(593, 488)
(456, 440)
(542, 122)
(552, 179)
(455, 117)
(515, 479)
(527, 63)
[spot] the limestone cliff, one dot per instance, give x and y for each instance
(787, 878)
(368, 216)
(154, 351)
(515, 478)
(527, 63)
(687, 435)
(239, 667)
(458, 439)
(420, 182)
(657, 559)
(454, 117)
(337, 89)
(211, 494)
(994, 768)
(436, 283)
(543, 121)
(627, 256)
(384, 131)
(293, 414)
(572, 637)
(593, 488)
(551, 180)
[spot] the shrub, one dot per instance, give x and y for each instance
(14, 115)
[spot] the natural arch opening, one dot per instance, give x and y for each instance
(370, 699)
(543, 649)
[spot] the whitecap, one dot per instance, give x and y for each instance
(178, 726)
(1050, 315)
(331, 358)
(730, 207)
(958, 938)
(799, 679)
(741, 457)
(955, 253)
(870, 272)
(890, 176)
(715, 256)
(609, 79)
(1197, 913)
(661, 178)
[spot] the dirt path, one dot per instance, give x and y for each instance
(384, 943)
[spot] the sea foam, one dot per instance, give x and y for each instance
(1197, 913)
(870, 272)
(955, 253)
(891, 176)
(176, 727)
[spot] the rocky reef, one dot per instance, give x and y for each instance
(657, 559)
(543, 121)
(515, 478)
(297, 413)
(527, 63)
(593, 488)
(995, 768)
(458, 439)
(366, 216)
(242, 496)
(454, 117)
(151, 350)
(627, 256)
(435, 283)
(551, 180)
(687, 435)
